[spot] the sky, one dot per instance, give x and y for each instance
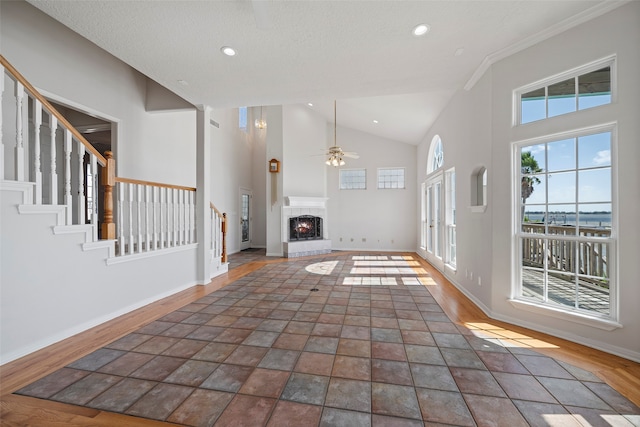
(583, 162)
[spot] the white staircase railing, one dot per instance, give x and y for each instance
(61, 168)
(46, 150)
(152, 216)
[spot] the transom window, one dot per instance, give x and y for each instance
(566, 227)
(242, 118)
(436, 155)
(585, 87)
(353, 179)
(390, 178)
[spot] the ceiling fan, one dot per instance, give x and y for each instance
(335, 153)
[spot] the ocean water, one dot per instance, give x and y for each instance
(586, 219)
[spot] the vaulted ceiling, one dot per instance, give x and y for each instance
(360, 53)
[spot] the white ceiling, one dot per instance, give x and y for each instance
(361, 53)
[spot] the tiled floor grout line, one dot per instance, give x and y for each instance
(286, 290)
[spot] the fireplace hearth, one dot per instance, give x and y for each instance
(305, 227)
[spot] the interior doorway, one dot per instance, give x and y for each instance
(100, 134)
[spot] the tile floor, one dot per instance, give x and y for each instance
(370, 347)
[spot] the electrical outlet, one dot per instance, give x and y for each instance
(341, 239)
(471, 276)
(479, 281)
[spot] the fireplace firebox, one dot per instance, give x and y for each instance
(305, 227)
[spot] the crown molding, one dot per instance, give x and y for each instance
(555, 29)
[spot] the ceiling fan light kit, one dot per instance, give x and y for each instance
(335, 153)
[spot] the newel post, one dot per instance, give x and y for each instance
(108, 181)
(224, 237)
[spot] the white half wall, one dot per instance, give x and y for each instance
(52, 289)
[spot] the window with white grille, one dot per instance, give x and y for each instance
(353, 179)
(391, 178)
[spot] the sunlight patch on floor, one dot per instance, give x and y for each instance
(561, 420)
(325, 268)
(388, 270)
(370, 281)
(412, 281)
(427, 281)
(507, 337)
(392, 263)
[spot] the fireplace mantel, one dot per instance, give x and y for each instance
(306, 202)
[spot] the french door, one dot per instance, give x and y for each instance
(434, 224)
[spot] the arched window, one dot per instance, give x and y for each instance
(436, 155)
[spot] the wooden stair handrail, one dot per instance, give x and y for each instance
(153, 184)
(52, 110)
(214, 208)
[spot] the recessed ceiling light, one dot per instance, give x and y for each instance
(309, 104)
(183, 83)
(229, 51)
(420, 30)
(375, 121)
(459, 51)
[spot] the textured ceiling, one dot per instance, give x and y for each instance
(358, 52)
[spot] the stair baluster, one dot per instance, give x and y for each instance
(121, 239)
(19, 160)
(139, 189)
(80, 208)
(94, 196)
(67, 177)
(53, 184)
(37, 161)
(147, 212)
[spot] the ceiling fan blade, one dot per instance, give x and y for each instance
(351, 155)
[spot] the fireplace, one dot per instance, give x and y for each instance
(305, 227)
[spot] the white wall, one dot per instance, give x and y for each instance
(617, 32)
(304, 139)
(232, 166)
(259, 179)
(274, 181)
(151, 146)
(383, 218)
(476, 129)
(50, 288)
(465, 130)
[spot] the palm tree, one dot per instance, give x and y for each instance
(528, 167)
